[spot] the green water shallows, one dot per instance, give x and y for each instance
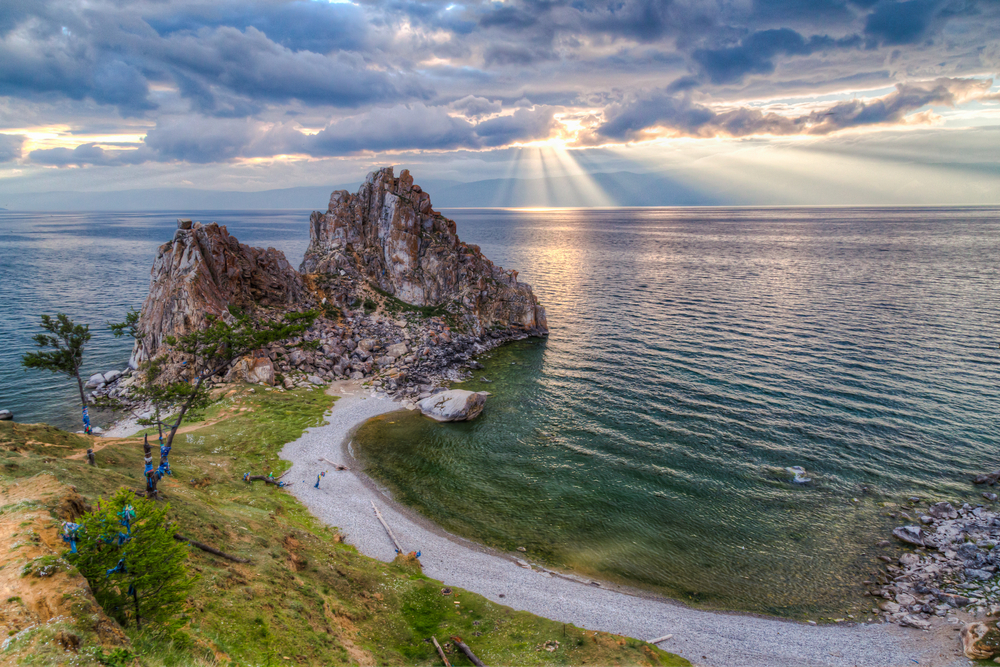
(693, 356)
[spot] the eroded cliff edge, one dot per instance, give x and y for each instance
(388, 234)
(403, 301)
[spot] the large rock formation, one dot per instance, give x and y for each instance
(401, 301)
(202, 272)
(388, 234)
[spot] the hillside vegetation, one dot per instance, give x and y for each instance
(304, 598)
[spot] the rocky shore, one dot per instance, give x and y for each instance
(950, 573)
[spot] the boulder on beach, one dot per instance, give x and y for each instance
(252, 370)
(980, 641)
(111, 376)
(6, 414)
(454, 405)
(96, 380)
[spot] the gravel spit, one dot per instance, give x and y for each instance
(705, 638)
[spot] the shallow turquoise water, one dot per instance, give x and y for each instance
(694, 354)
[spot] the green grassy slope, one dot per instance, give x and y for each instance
(305, 597)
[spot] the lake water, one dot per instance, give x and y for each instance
(694, 355)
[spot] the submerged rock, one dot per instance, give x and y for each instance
(799, 474)
(453, 405)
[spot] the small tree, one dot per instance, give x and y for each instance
(67, 341)
(127, 552)
(211, 350)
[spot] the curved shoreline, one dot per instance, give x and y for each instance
(703, 637)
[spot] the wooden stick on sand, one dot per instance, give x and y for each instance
(440, 651)
(399, 549)
(659, 639)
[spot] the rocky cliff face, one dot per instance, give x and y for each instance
(202, 271)
(388, 234)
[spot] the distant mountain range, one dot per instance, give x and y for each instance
(608, 189)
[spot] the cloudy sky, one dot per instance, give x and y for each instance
(756, 101)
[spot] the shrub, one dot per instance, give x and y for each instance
(136, 569)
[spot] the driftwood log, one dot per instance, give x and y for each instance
(211, 550)
(467, 651)
(392, 537)
(267, 480)
(440, 651)
(991, 478)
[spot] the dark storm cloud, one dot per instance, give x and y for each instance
(10, 147)
(756, 54)
(320, 27)
(895, 23)
(112, 57)
(249, 64)
(687, 118)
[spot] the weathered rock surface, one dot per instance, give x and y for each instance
(980, 641)
(453, 405)
(252, 370)
(388, 234)
(40, 590)
(202, 272)
(6, 414)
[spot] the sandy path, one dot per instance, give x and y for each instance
(705, 638)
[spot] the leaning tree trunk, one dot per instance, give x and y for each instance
(150, 471)
(83, 399)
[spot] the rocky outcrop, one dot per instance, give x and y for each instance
(402, 301)
(455, 405)
(388, 234)
(203, 271)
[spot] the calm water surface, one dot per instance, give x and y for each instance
(693, 356)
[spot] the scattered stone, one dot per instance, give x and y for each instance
(915, 622)
(942, 511)
(992, 497)
(909, 534)
(6, 414)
